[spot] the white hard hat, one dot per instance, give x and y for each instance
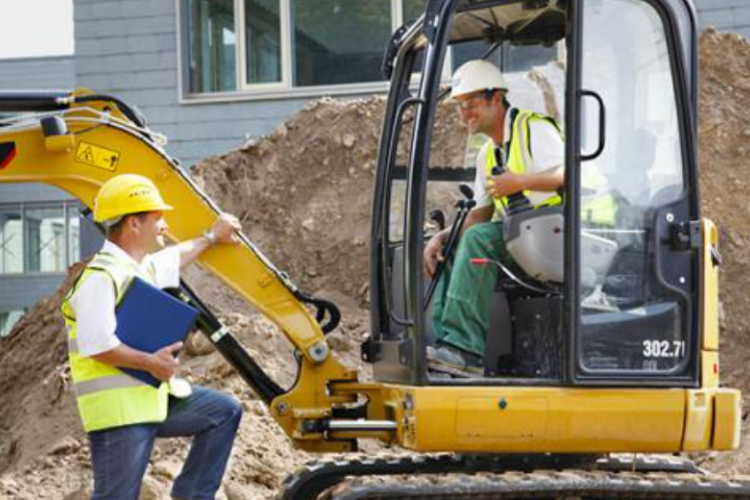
(476, 75)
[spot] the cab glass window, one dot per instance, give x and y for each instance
(633, 320)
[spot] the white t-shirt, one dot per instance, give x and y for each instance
(94, 301)
(547, 151)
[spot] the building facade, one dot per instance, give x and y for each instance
(210, 74)
(40, 231)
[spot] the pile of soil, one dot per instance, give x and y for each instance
(304, 196)
(304, 193)
(724, 135)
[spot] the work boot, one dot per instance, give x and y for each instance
(444, 357)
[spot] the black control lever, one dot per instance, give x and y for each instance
(464, 207)
(466, 191)
(438, 217)
(517, 202)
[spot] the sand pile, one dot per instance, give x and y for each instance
(304, 195)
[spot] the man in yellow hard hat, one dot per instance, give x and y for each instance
(533, 167)
(121, 414)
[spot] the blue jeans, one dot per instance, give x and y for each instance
(120, 456)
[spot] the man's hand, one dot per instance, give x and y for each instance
(506, 184)
(433, 253)
(163, 365)
(225, 228)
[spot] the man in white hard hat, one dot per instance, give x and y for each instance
(529, 147)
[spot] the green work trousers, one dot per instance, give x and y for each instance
(462, 301)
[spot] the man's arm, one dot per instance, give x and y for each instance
(433, 252)
(223, 231)
(508, 183)
(161, 364)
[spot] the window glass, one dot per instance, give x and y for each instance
(339, 41)
(212, 44)
(8, 320)
(631, 320)
(45, 240)
(413, 9)
(74, 235)
(263, 41)
(525, 57)
(11, 241)
(509, 58)
(467, 51)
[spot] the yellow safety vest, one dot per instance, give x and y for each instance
(519, 153)
(107, 397)
(597, 205)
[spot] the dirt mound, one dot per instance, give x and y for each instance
(34, 381)
(304, 195)
(724, 135)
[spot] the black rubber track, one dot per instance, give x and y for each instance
(505, 477)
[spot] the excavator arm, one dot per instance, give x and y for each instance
(76, 141)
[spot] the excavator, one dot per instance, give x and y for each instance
(601, 374)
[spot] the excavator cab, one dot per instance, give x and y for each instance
(631, 297)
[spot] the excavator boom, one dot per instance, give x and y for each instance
(77, 140)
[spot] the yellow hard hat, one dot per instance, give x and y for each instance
(127, 194)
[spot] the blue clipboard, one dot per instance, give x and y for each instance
(149, 319)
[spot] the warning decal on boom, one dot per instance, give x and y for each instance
(97, 156)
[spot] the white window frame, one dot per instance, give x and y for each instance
(267, 91)
(286, 67)
(68, 207)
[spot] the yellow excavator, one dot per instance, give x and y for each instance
(598, 380)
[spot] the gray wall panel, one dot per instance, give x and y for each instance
(27, 192)
(129, 62)
(19, 292)
(724, 15)
(38, 73)
(705, 5)
(106, 28)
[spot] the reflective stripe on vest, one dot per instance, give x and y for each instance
(106, 396)
(518, 153)
(104, 383)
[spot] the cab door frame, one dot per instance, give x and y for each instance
(679, 21)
